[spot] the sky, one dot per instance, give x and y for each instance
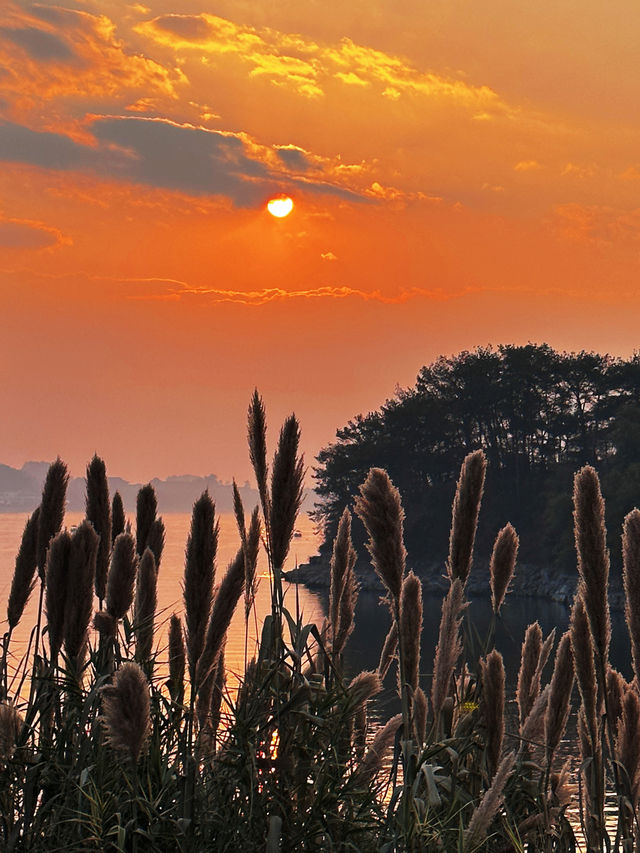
(462, 173)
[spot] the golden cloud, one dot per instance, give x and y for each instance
(309, 67)
(54, 53)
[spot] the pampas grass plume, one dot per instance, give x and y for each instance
(51, 512)
(224, 604)
(411, 629)
(122, 575)
(199, 575)
(24, 573)
(252, 550)
(502, 565)
(57, 570)
(10, 726)
(287, 478)
(118, 520)
(373, 761)
(177, 656)
(449, 646)
(257, 435)
(126, 710)
(363, 687)
(465, 510)
(593, 557)
(488, 807)
(628, 741)
(420, 712)
(631, 578)
(379, 508)
(527, 690)
(559, 695)
(146, 508)
(79, 604)
(155, 541)
(145, 605)
(388, 650)
(583, 656)
(98, 511)
(343, 587)
(492, 674)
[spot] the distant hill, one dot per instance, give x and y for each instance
(21, 490)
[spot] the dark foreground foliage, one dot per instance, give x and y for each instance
(110, 740)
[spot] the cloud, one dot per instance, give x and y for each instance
(293, 157)
(27, 234)
(599, 225)
(163, 154)
(42, 49)
(328, 256)
(527, 166)
(176, 290)
(39, 44)
(310, 68)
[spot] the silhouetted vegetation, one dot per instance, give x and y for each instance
(537, 415)
(110, 741)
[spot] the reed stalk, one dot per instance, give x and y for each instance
(98, 511)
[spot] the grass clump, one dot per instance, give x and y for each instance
(110, 742)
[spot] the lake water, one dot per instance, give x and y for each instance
(372, 618)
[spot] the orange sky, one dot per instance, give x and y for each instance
(463, 173)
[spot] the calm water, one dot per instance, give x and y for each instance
(372, 618)
(170, 579)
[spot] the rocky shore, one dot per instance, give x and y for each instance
(529, 581)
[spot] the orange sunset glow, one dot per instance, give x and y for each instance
(462, 173)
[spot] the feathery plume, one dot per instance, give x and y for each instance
(238, 511)
(176, 659)
(122, 575)
(374, 759)
(559, 696)
(465, 510)
(118, 520)
(25, 570)
(411, 629)
(343, 588)
(488, 807)
(449, 645)
(287, 479)
(492, 703)
(631, 578)
(503, 564)
(57, 571)
(583, 656)
(126, 710)
(363, 687)
(146, 508)
(225, 602)
(10, 726)
(79, 600)
(156, 541)
(257, 434)
(628, 741)
(593, 557)
(532, 729)
(420, 711)
(104, 623)
(379, 508)
(199, 574)
(527, 691)
(51, 512)
(251, 561)
(98, 511)
(145, 605)
(616, 689)
(388, 650)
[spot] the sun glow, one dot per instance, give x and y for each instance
(280, 207)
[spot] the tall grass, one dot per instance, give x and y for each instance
(110, 742)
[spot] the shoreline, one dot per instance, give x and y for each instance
(528, 582)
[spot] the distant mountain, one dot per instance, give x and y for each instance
(21, 490)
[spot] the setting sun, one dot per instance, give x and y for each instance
(280, 207)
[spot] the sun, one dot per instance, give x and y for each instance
(280, 206)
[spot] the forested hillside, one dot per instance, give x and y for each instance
(538, 414)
